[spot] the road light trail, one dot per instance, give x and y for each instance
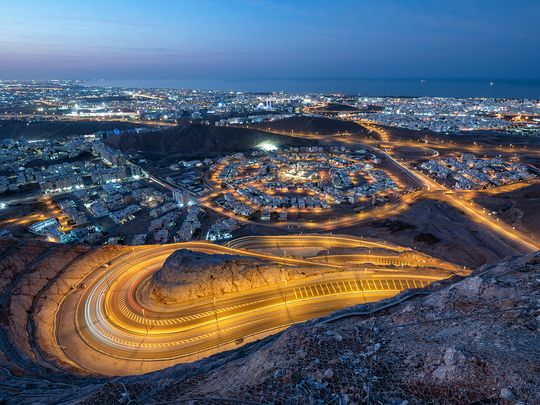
(111, 320)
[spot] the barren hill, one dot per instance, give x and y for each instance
(313, 125)
(196, 140)
(338, 107)
(187, 275)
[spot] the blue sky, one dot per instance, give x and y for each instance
(233, 39)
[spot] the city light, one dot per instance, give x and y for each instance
(269, 202)
(88, 191)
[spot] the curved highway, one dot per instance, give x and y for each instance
(310, 241)
(442, 193)
(107, 328)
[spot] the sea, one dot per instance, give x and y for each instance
(495, 88)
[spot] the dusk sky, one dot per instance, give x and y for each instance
(269, 39)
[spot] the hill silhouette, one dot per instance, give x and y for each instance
(311, 124)
(198, 140)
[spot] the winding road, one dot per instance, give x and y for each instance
(106, 328)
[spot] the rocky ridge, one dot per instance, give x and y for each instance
(197, 140)
(187, 275)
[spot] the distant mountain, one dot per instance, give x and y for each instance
(337, 107)
(197, 140)
(313, 125)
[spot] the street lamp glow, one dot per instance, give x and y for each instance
(267, 146)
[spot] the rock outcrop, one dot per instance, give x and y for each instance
(187, 275)
(313, 125)
(196, 140)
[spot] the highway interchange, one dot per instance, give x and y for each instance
(473, 211)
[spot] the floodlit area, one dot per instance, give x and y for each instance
(267, 146)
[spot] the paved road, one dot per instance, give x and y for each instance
(310, 241)
(108, 321)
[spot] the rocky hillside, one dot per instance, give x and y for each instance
(313, 125)
(197, 140)
(188, 275)
(466, 340)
